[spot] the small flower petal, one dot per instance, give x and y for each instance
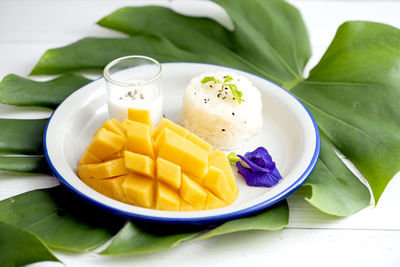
(258, 169)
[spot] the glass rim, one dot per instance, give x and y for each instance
(118, 60)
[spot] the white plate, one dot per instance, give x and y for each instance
(290, 134)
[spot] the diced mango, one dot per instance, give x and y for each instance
(165, 123)
(115, 126)
(88, 158)
(140, 115)
(139, 139)
(216, 182)
(139, 190)
(140, 164)
(168, 173)
(111, 187)
(111, 168)
(105, 144)
(167, 199)
(168, 169)
(219, 160)
(186, 206)
(213, 202)
(178, 150)
(192, 192)
(199, 142)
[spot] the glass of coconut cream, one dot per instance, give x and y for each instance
(133, 82)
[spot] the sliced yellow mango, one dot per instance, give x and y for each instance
(165, 123)
(105, 144)
(193, 193)
(199, 142)
(88, 158)
(186, 206)
(140, 164)
(111, 168)
(178, 150)
(213, 202)
(140, 115)
(139, 138)
(139, 190)
(168, 172)
(111, 187)
(216, 182)
(219, 160)
(167, 199)
(168, 169)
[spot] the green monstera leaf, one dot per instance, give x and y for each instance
(21, 136)
(60, 219)
(19, 247)
(136, 240)
(15, 90)
(335, 189)
(23, 164)
(354, 92)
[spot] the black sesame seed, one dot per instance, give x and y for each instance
(224, 97)
(223, 130)
(210, 85)
(233, 113)
(219, 95)
(233, 98)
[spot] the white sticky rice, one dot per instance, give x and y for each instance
(216, 116)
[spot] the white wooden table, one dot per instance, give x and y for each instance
(369, 238)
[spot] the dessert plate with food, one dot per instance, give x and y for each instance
(182, 143)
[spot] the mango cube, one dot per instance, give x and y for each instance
(199, 142)
(88, 158)
(140, 115)
(139, 138)
(186, 206)
(105, 144)
(140, 164)
(111, 168)
(219, 160)
(139, 190)
(215, 182)
(114, 126)
(213, 202)
(167, 199)
(111, 187)
(165, 123)
(168, 172)
(193, 193)
(178, 150)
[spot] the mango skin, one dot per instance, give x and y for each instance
(167, 168)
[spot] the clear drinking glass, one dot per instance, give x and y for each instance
(133, 82)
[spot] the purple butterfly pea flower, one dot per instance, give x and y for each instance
(260, 169)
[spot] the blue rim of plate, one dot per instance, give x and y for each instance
(203, 220)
